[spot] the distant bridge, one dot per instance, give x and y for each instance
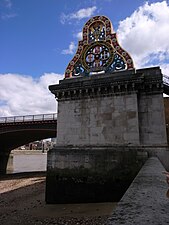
(28, 118)
(19, 130)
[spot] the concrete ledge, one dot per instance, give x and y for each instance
(145, 201)
(28, 152)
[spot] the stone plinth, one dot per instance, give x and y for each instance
(103, 120)
(90, 174)
(111, 109)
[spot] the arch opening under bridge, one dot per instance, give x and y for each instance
(20, 130)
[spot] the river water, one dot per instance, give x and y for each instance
(27, 162)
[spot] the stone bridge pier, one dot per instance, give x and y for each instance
(4, 156)
(110, 118)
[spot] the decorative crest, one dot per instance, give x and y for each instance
(98, 51)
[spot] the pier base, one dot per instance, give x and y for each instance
(90, 174)
(4, 156)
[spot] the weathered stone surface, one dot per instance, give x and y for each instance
(103, 121)
(90, 174)
(145, 201)
(124, 108)
(98, 121)
(152, 120)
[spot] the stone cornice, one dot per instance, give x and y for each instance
(141, 81)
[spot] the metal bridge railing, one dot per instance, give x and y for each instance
(28, 118)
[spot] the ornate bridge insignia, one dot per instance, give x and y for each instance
(98, 51)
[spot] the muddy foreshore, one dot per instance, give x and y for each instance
(22, 201)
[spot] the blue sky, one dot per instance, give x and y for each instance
(34, 33)
(39, 37)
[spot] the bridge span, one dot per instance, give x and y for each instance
(19, 130)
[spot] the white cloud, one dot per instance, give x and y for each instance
(24, 95)
(80, 14)
(8, 16)
(145, 34)
(83, 13)
(70, 50)
(7, 12)
(79, 35)
(165, 69)
(8, 3)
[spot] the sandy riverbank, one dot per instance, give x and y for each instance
(22, 201)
